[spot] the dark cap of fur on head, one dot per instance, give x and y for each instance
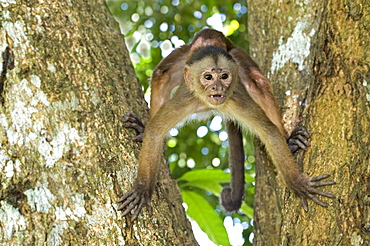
(211, 50)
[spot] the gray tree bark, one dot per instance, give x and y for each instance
(65, 159)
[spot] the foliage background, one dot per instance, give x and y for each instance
(197, 153)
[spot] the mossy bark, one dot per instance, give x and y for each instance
(316, 54)
(65, 159)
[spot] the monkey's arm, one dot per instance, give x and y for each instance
(151, 152)
(233, 196)
(255, 118)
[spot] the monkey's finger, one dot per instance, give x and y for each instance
(149, 207)
(300, 144)
(129, 117)
(293, 147)
(129, 120)
(318, 178)
(322, 183)
(138, 138)
(124, 197)
(317, 200)
(304, 140)
(129, 200)
(311, 188)
(132, 205)
(303, 131)
(134, 125)
(304, 203)
(138, 209)
(323, 193)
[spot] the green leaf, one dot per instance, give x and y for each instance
(207, 185)
(247, 210)
(218, 176)
(208, 220)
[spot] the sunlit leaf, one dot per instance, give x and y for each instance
(216, 175)
(202, 212)
(206, 185)
(247, 210)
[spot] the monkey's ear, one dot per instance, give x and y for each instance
(188, 78)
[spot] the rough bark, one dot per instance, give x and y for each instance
(66, 81)
(316, 55)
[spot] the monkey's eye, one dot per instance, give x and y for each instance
(208, 76)
(224, 76)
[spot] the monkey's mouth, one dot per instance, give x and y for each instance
(217, 99)
(216, 96)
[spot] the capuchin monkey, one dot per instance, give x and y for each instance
(212, 75)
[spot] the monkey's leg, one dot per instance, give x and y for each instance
(132, 121)
(231, 198)
(299, 139)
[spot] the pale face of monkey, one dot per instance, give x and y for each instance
(212, 79)
(216, 82)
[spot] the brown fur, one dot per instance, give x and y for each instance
(244, 98)
(169, 74)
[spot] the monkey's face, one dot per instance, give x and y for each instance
(215, 82)
(211, 79)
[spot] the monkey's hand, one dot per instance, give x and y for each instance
(132, 121)
(134, 200)
(305, 187)
(299, 139)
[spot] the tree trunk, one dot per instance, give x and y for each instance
(65, 159)
(315, 53)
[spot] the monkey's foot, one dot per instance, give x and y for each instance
(132, 121)
(306, 188)
(134, 200)
(299, 139)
